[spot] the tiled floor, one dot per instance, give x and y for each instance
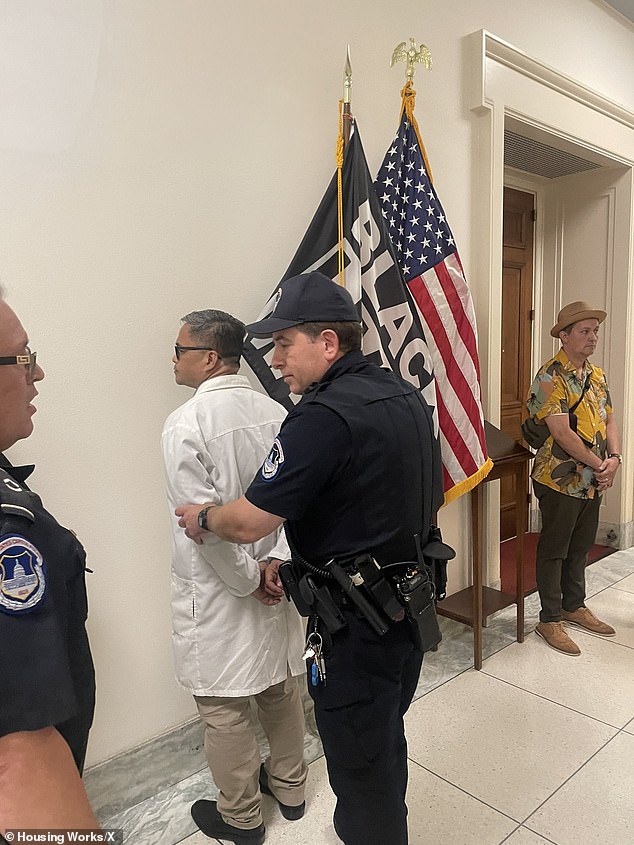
(536, 748)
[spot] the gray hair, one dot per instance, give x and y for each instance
(218, 330)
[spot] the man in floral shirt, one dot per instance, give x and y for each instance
(571, 471)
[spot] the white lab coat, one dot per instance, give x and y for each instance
(226, 643)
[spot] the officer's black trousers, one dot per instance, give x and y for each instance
(370, 683)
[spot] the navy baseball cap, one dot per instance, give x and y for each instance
(309, 298)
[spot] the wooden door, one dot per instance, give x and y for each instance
(517, 314)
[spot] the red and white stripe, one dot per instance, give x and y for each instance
(446, 311)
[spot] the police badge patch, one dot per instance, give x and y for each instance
(22, 575)
(273, 461)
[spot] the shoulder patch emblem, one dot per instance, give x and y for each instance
(22, 575)
(274, 461)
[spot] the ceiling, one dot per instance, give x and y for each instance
(625, 7)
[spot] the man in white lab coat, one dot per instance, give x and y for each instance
(231, 641)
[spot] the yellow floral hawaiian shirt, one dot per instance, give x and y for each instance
(554, 390)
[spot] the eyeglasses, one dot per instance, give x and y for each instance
(178, 350)
(29, 361)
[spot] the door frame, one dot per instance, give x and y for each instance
(533, 185)
(504, 82)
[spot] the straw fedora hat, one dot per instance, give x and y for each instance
(573, 313)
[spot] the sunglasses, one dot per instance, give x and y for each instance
(178, 349)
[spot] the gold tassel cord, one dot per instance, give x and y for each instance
(339, 157)
(409, 101)
(468, 484)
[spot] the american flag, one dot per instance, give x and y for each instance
(431, 269)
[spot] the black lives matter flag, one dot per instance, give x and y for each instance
(394, 335)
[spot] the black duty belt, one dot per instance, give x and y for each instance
(362, 585)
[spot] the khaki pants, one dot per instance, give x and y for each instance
(233, 754)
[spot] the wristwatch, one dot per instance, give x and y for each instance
(617, 456)
(202, 518)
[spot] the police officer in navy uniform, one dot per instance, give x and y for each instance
(46, 669)
(355, 475)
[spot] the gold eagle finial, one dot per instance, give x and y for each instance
(410, 55)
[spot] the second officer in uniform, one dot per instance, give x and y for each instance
(47, 679)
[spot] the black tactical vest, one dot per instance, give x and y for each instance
(392, 487)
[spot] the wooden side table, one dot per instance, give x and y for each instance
(474, 604)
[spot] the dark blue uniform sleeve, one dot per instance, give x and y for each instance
(312, 448)
(41, 624)
(46, 669)
(37, 687)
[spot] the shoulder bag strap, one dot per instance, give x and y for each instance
(585, 387)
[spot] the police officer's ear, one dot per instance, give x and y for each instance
(330, 340)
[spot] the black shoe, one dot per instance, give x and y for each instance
(292, 814)
(209, 820)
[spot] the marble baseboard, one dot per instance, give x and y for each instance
(145, 770)
(163, 818)
(627, 535)
(619, 536)
(127, 780)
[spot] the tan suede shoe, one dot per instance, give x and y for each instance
(584, 618)
(553, 633)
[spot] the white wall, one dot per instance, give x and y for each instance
(158, 156)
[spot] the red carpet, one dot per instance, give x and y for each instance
(507, 562)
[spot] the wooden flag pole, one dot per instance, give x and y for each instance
(347, 86)
(345, 119)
